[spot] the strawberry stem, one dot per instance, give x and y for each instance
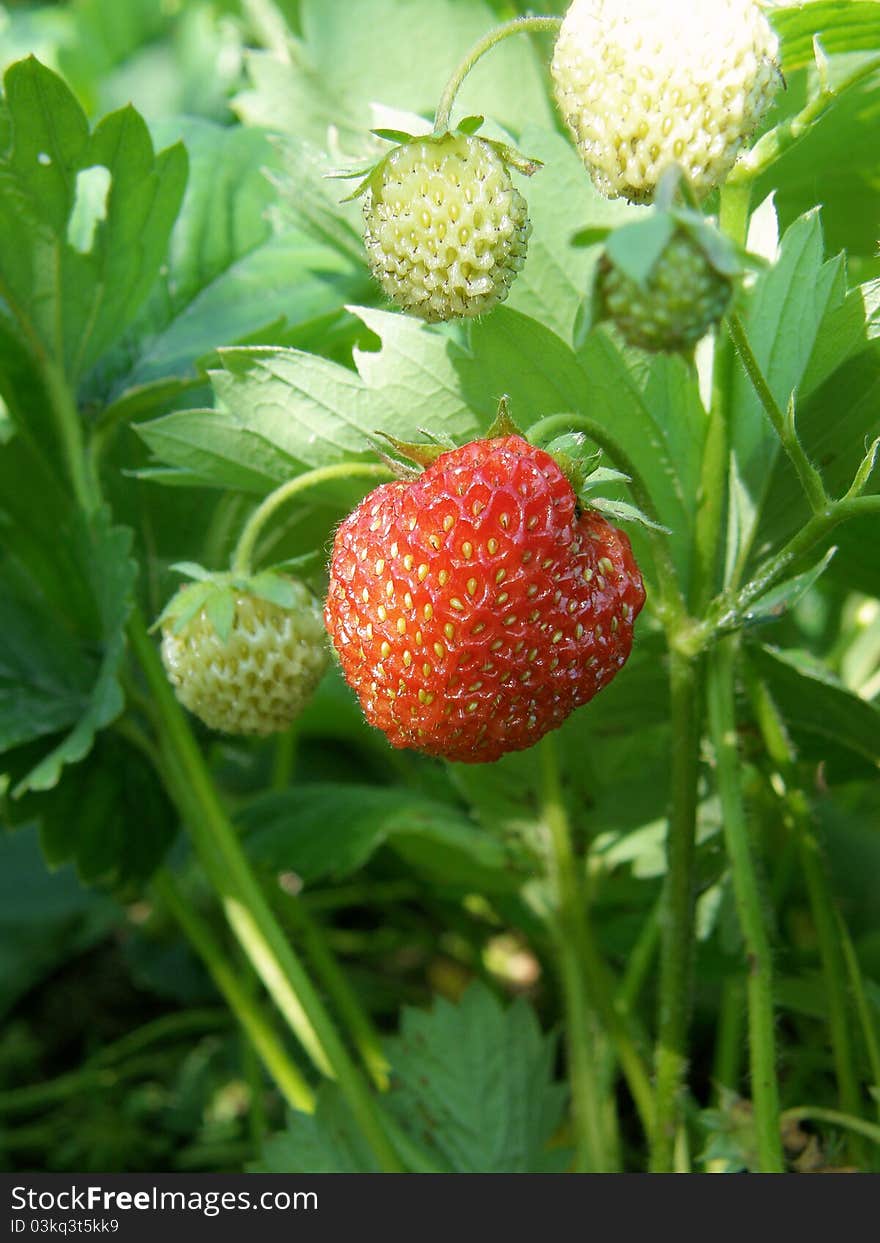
(797, 818)
(676, 949)
(247, 911)
(811, 480)
(285, 1073)
(569, 934)
(746, 888)
(519, 25)
(244, 551)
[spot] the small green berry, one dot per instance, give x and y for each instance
(257, 677)
(681, 299)
(446, 230)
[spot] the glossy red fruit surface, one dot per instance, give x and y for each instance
(476, 607)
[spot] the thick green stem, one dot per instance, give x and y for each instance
(867, 1021)
(519, 25)
(569, 937)
(799, 820)
(671, 1057)
(811, 480)
(805, 1113)
(246, 908)
(762, 1036)
(241, 561)
(728, 1039)
(729, 610)
(291, 1083)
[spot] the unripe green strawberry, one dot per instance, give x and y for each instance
(446, 230)
(476, 606)
(682, 297)
(643, 84)
(244, 655)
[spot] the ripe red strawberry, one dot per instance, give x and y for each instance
(474, 608)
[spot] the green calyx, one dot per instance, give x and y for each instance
(371, 175)
(215, 595)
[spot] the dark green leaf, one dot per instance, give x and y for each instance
(814, 703)
(76, 304)
(328, 1141)
(323, 831)
(475, 1084)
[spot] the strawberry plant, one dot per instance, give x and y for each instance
(499, 792)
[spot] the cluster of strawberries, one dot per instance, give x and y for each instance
(474, 607)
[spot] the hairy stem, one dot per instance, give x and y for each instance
(759, 988)
(246, 908)
(519, 25)
(569, 936)
(671, 1056)
(798, 819)
(729, 609)
(290, 1080)
(363, 1034)
(243, 555)
(811, 480)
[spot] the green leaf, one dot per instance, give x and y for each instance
(816, 706)
(475, 1083)
(284, 411)
(69, 304)
(783, 321)
(840, 25)
(235, 271)
(328, 1141)
(109, 816)
(70, 681)
(397, 53)
(834, 161)
(321, 831)
(557, 271)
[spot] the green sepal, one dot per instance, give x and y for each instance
(511, 157)
(189, 569)
(527, 165)
(581, 465)
(421, 455)
(636, 247)
(214, 593)
(594, 236)
(624, 511)
(503, 424)
(400, 137)
(470, 125)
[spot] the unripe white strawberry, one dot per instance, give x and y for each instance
(446, 229)
(643, 84)
(243, 655)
